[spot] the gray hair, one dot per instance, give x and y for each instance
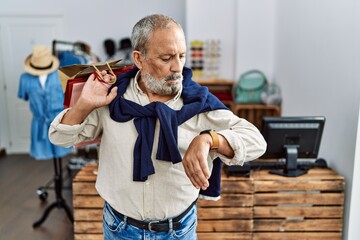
(144, 28)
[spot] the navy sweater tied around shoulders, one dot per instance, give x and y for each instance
(196, 99)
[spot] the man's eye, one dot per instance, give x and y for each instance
(166, 59)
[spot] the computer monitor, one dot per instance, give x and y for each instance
(292, 138)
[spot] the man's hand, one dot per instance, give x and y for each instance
(95, 92)
(93, 95)
(195, 161)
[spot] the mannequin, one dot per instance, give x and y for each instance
(41, 86)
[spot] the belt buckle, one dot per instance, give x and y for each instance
(150, 225)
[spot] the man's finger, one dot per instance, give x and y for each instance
(189, 173)
(91, 77)
(200, 180)
(205, 169)
(112, 94)
(198, 175)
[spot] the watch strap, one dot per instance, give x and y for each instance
(215, 139)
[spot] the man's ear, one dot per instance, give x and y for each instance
(138, 59)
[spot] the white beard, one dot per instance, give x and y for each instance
(161, 86)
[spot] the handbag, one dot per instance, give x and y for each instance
(250, 86)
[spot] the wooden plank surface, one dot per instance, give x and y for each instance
(225, 236)
(277, 225)
(86, 214)
(235, 178)
(214, 82)
(84, 188)
(298, 212)
(297, 236)
(298, 198)
(88, 202)
(86, 178)
(239, 225)
(225, 213)
(95, 236)
(236, 186)
(87, 173)
(298, 185)
(85, 227)
(233, 200)
(313, 174)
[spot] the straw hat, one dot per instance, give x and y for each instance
(41, 61)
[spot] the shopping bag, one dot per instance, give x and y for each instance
(74, 78)
(75, 81)
(73, 91)
(85, 70)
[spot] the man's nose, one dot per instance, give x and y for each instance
(177, 65)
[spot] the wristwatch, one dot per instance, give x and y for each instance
(215, 137)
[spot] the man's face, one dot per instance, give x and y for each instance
(162, 67)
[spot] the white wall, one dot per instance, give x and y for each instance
(94, 21)
(3, 109)
(354, 230)
(247, 40)
(205, 21)
(317, 59)
(255, 37)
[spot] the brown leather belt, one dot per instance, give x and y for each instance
(156, 226)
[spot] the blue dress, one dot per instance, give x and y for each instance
(45, 104)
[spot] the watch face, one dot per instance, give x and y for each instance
(205, 131)
(214, 149)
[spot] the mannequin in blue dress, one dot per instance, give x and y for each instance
(41, 86)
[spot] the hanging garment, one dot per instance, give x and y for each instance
(68, 58)
(45, 104)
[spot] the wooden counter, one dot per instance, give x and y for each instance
(267, 206)
(260, 206)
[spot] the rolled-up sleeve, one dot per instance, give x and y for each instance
(70, 135)
(243, 137)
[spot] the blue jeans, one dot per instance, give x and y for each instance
(115, 228)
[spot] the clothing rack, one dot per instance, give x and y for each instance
(70, 53)
(56, 46)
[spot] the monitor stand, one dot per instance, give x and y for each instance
(291, 169)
